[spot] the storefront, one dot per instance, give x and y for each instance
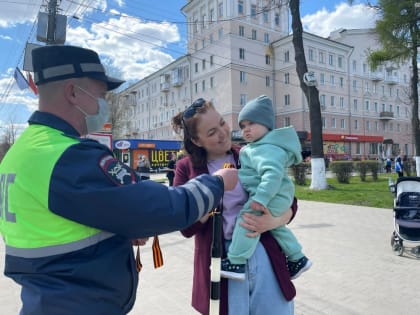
(339, 146)
(158, 152)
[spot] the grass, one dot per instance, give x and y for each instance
(368, 194)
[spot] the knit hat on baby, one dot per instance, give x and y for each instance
(259, 110)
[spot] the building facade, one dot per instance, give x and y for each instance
(240, 49)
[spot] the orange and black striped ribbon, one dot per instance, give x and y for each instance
(157, 253)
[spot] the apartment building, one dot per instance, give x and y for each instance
(240, 49)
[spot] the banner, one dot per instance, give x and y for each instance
(20, 79)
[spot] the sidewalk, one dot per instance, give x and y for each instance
(354, 271)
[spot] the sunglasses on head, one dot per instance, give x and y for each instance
(192, 109)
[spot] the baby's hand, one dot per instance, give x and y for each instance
(257, 206)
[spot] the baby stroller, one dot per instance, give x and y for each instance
(406, 214)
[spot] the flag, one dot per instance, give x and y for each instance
(20, 79)
(32, 83)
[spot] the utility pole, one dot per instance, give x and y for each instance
(51, 26)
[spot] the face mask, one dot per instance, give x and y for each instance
(96, 122)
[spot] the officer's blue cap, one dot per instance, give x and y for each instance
(61, 62)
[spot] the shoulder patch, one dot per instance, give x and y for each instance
(118, 172)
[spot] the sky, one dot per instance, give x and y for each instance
(133, 38)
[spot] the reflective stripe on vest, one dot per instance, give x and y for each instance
(28, 227)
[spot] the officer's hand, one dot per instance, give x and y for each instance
(230, 177)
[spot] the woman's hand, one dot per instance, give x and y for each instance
(264, 222)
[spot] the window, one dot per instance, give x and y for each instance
(332, 80)
(286, 56)
(211, 82)
(241, 31)
(267, 59)
(358, 151)
(243, 99)
(203, 62)
(341, 82)
(254, 34)
(267, 81)
(398, 110)
(311, 54)
(266, 38)
(367, 105)
(333, 123)
(277, 19)
(286, 122)
(211, 60)
(220, 10)
(354, 64)
(242, 53)
(196, 88)
(343, 123)
(211, 15)
(322, 101)
(196, 67)
(356, 124)
(220, 33)
(321, 78)
(321, 57)
(355, 105)
(265, 15)
(368, 125)
(366, 86)
(373, 148)
(286, 78)
(195, 26)
(323, 122)
(375, 105)
(203, 85)
(340, 62)
(240, 7)
(331, 60)
(332, 100)
(341, 102)
(242, 76)
(354, 85)
(253, 11)
(287, 99)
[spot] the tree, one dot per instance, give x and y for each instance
(9, 136)
(318, 179)
(398, 31)
(116, 114)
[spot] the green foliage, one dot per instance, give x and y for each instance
(363, 167)
(342, 170)
(299, 173)
(369, 193)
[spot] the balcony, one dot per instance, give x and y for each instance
(164, 87)
(386, 115)
(376, 76)
(176, 82)
(391, 79)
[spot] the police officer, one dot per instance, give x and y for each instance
(68, 217)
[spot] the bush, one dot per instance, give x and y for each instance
(364, 166)
(342, 170)
(299, 173)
